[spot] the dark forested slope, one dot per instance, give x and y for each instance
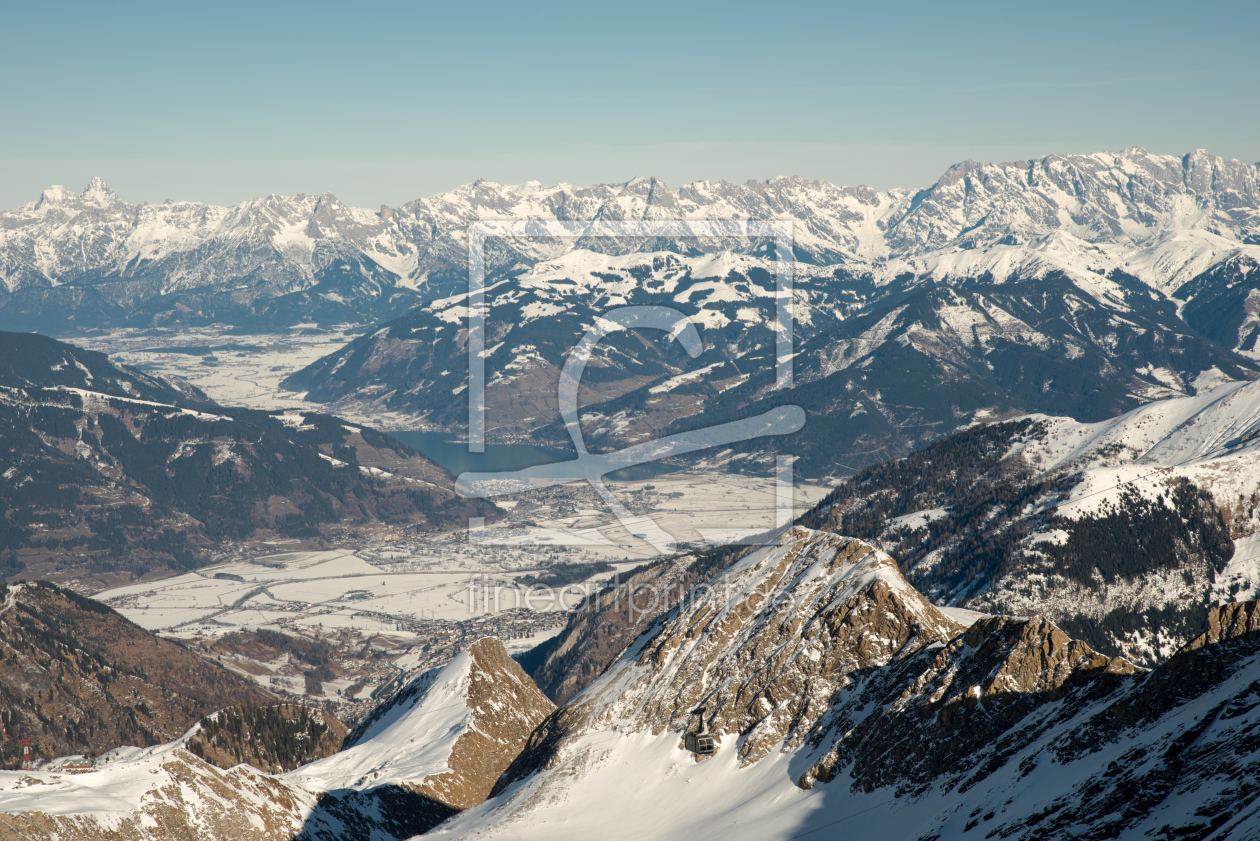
(104, 484)
(78, 678)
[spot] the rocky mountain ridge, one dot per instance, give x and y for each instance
(1125, 532)
(838, 695)
(879, 369)
(438, 746)
(609, 619)
(1005, 517)
(1086, 284)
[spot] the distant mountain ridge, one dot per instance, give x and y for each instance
(31, 360)
(108, 473)
(879, 368)
(90, 259)
(1079, 284)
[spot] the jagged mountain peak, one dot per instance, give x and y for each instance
(56, 194)
(973, 719)
(643, 180)
(966, 693)
(98, 192)
(764, 647)
(770, 646)
(447, 735)
(1227, 622)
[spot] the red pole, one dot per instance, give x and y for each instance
(26, 755)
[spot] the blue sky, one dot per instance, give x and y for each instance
(382, 102)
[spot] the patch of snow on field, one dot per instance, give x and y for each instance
(688, 377)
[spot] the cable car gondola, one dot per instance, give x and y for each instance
(701, 743)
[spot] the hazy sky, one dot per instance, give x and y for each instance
(385, 102)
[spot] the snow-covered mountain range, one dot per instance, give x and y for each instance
(1081, 285)
(1085, 284)
(273, 261)
(880, 366)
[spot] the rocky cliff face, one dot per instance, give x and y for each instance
(610, 619)
(975, 204)
(435, 748)
(171, 795)
(935, 716)
(503, 707)
(768, 648)
(837, 693)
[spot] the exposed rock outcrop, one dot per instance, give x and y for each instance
(169, 795)
(935, 714)
(836, 692)
(436, 748)
(504, 706)
(764, 647)
(611, 618)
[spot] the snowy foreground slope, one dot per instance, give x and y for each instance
(844, 702)
(437, 747)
